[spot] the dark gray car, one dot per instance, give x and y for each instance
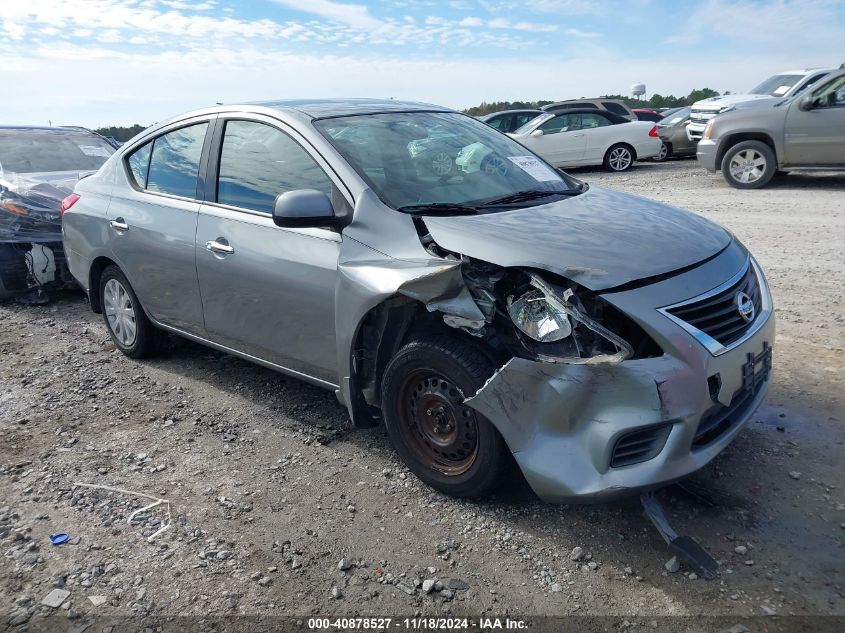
(672, 130)
(510, 120)
(753, 141)
(504, 311)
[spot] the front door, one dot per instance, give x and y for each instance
(562, 142)
(267, 291)
(817, 136)
(152, 225)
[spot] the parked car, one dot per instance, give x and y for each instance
(647, 114)
(782, 85)
(604, 342)
(807, 131)
(576, 138)
(38, 168)
(614, 106)
(509, 120)
(672, 130)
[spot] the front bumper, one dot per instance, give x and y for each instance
(562, 421)
(705, 152)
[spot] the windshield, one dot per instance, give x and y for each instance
(416, 159)
(530, 124)
(673, 118)
(777, 86)
(35, 150)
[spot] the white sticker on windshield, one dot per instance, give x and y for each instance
(781, 90)
(534, 168)
(94, 150)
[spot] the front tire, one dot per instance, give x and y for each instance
(618, 157)
(128, 325)
(749, 165)
(445, 443)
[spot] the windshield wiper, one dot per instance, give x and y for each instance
(440, 208)
(532, 194)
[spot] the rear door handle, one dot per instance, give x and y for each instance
(119, 224)
(219, 247)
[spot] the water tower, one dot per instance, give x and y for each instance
(638, 90)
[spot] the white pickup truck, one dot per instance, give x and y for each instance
(783, 84)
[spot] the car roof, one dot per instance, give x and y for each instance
(46, 128)
(805, 71)
(321, 108)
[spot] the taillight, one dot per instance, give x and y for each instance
(68, 202)
(652, 133)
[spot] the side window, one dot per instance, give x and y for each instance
(175, 161)
(593, 120)
(522, 119)
(139, 164)
(810, 82)
(258, 162)
(832, 95)
(561, 123)
(497, 122)
(610, 106)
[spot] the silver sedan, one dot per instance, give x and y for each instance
(497, 311)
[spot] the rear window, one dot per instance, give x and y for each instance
(29, 151)
(616, 108)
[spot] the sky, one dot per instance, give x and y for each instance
(119, 62)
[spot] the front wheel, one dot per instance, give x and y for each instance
(749, 165)
(619, 157)
(445, 443)
(128, 325)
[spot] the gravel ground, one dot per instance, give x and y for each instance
(279, 508)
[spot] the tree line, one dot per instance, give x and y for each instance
(120, 132)
(655, 101)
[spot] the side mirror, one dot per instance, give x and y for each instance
(806, 103)
(536, 133)
(303, 208)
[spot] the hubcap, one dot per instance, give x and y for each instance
(747, 166)
(620, 159)
(435, 424)
(664, 151)
(120, 313)
(441, 164)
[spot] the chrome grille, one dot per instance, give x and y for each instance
(718, 315)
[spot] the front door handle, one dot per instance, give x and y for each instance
(119, 224)
(216, 246)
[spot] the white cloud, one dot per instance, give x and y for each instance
(356, 15)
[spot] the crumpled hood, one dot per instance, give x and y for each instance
(29, 204)
(600, 239)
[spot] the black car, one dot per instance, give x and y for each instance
(39, 167)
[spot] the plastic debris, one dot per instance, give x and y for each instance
(165, 523)
(58, 538)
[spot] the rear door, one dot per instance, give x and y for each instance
(817, 136)
(267, 291)
(562, 142)
(152, 221)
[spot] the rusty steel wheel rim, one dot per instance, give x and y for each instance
(436, 426)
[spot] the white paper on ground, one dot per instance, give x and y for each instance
(534, 168)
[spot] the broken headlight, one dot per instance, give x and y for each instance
(539, 318)
(557, 328)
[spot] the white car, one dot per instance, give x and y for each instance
(577, 138)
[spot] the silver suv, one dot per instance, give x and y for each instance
(501, 311)
(752, 142)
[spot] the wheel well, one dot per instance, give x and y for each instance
(739, 137)
(94, 274)
(382, 332)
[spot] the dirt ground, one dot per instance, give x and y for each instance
(278, 508)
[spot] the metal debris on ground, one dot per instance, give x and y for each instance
(165, 524)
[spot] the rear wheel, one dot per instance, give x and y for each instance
(749, 165)
(619, 157)
(128, 325)
(664, 153)
(447, 444)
